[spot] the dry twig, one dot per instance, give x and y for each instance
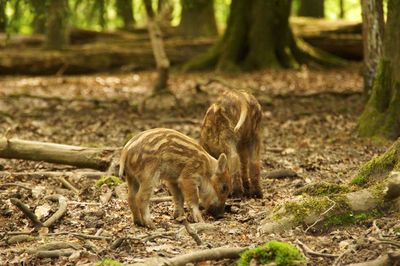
(311, 252)
(28, 213)
(62, 209)
(204, 255)
(189, 229)
(68, 185)
(15, 185)
(337, 261)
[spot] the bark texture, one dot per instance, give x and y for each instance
(57, 35)
(372, 16)
(159, 53)
(95, 158)
(3, 16)
(125, 11)
(197, 19)
(311, 8)
(381, 115)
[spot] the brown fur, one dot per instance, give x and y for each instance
(191, 174)
(232, 125)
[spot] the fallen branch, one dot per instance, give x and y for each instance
(161, 199)
(337, 261)
(62, 209)
(68, 185)
(83, 157)
(281, 173)
(392, 258)
(204, 255)
(54, 246)
(15, 185)
(189, 229)
(16, 239)
(28, 213)
(311, 252)
(54, 253)
(77, 175)
(91, 236)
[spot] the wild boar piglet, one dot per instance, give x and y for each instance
(232, 125)
(191, 174)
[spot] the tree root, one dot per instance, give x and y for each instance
(62, 209)
(392, 258)
(204, 255)
(189, 229)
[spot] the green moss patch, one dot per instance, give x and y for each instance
(108, 180)
(379, 167)
(326, 189)
(108, 262)
(351, 218)
(281, 253)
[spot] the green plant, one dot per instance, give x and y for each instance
(108, 180)
(281, 253)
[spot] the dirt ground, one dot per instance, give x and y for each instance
(309, 120)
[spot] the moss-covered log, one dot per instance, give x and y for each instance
(322, 210)
(376, 187)
(379, 168)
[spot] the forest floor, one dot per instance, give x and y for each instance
(309, 121)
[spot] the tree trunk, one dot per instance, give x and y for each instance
(381, 115)
(157, 44)
(258, 36)
(311, 8)
(39, 16)
(3, 16)
(95, 158)
(57, 35)
(341, 9)
(197, 19)
(372, 14)
(125, 11)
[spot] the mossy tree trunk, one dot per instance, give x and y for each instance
(258, 36)
(381, 116)
(125, 12)
(372, 14)
(311, 8)
(197, 19)
(57, 34)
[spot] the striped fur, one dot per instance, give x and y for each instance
(232, 125)
(191, 174)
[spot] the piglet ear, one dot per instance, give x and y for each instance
(222, 162)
